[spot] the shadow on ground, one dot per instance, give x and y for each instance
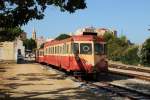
(60, 94)
(112, 77)
(3, 68)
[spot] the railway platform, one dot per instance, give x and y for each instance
(34, 82)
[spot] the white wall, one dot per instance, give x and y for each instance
(8, 50)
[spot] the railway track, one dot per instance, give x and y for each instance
(138, 73)
(143, 77)
(111, 88)
(122, 91)
(116, 90)
(126, 67)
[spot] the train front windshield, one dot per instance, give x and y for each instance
(85, 48)
(99, 48)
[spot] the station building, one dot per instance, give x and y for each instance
(9, 50)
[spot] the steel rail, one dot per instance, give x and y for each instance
(122, 91)
(127, 67)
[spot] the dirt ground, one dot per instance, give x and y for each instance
(33, 82)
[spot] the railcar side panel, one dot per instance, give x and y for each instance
(60, 54)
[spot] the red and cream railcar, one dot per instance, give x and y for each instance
(84, 53)
(40, 55)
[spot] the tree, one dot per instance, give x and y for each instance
(145, 53)
(9, 34)
(18, 12)
(130, 55)
(115, 46)
(29, 44)
(108, 36)
(62, 36)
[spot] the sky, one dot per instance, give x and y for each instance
(129, 17)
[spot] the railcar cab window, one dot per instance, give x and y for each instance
(75, 48)
(85, 48)
(98, 48)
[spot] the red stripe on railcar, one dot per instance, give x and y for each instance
(69, 63)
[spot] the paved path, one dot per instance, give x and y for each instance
(32, 82)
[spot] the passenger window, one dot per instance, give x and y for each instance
(67, 49)
(49, 50)
(64, 49)
(75, 48)
(52, 50)
(58, 49)
(61, 50)
(46, 50)
(55, 50)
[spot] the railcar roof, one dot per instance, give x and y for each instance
(75, 38)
